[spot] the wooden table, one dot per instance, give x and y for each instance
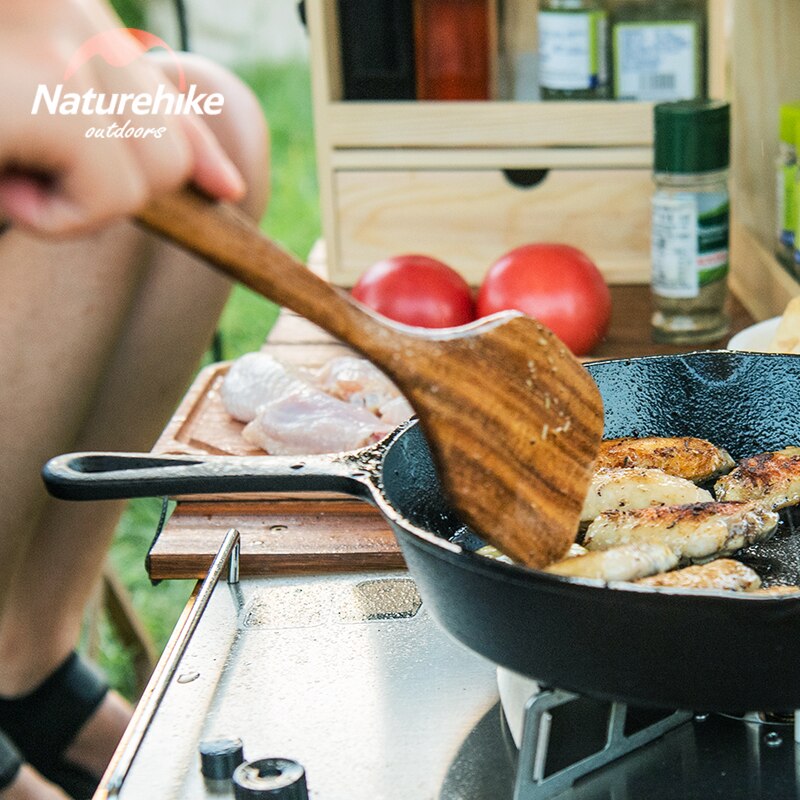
(304, 533)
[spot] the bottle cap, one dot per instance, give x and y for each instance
(692, 136)
(220, 757)
(789, 119)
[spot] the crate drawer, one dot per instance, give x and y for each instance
(468, 218)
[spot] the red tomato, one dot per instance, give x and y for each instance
(555, 283)
(416, 290)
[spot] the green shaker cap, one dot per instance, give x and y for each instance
(692, 136)
(789, 117)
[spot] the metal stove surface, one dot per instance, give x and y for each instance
(348, 675)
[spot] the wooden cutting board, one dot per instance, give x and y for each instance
(295, 532)
(277, 536)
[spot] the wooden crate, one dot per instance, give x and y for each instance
(765, 72)
(401, 176)
(469, 217)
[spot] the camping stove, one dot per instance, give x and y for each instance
(348, 676)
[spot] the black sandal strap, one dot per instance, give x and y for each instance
(10, 761)
(44, 722)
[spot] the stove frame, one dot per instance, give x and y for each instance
(185, 690)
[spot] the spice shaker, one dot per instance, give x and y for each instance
(573, 52)
(786, 175)
(796, 237)
(690, 221)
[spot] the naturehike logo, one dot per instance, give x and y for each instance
(114, 47)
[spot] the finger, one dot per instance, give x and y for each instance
(165, 161)
(213, 171)
(103, 185)
(24, 200)
(80, 198)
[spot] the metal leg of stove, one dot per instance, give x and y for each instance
(535, 782)
(227, 556)
(797, 727)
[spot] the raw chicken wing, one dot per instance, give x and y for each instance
(309, 421)
(357, 381)
(256, 379)
(395, 411)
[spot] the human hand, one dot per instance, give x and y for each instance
(53, 178)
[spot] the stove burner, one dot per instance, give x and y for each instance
(765, 717)
(552, 757)
(567, 739)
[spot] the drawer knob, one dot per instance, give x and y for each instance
(525, 178)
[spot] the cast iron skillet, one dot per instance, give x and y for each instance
(710, 651)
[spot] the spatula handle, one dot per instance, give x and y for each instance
(230, 240)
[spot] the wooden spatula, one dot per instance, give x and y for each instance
(511, 417)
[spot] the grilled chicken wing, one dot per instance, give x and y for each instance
(724, 573)
(695, 531)
(776, 590)
(771, 478)
(637, 487)
(576, 550)
(625, 563)
(490, 551)
(684, 456)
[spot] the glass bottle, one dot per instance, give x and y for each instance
(451, 45)
(786, 174)
(573, 52)
(690, 221)
(659, 50)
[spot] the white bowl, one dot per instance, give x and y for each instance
(756, 338)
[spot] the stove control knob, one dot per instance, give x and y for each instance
(220, 757)
(273, 778)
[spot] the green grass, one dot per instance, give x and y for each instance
(292, 217)
(293, 220)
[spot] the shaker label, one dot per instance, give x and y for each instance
(690, 242)
(787, 204)
(675, 247)
(571, 50)
(656, 61)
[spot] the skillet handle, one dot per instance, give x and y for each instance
(113, 476)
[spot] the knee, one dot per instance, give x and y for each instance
(240, 128)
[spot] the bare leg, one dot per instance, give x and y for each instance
(102, 337)
(31, 786)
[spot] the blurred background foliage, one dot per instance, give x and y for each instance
(131, 12)
(292, 219)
